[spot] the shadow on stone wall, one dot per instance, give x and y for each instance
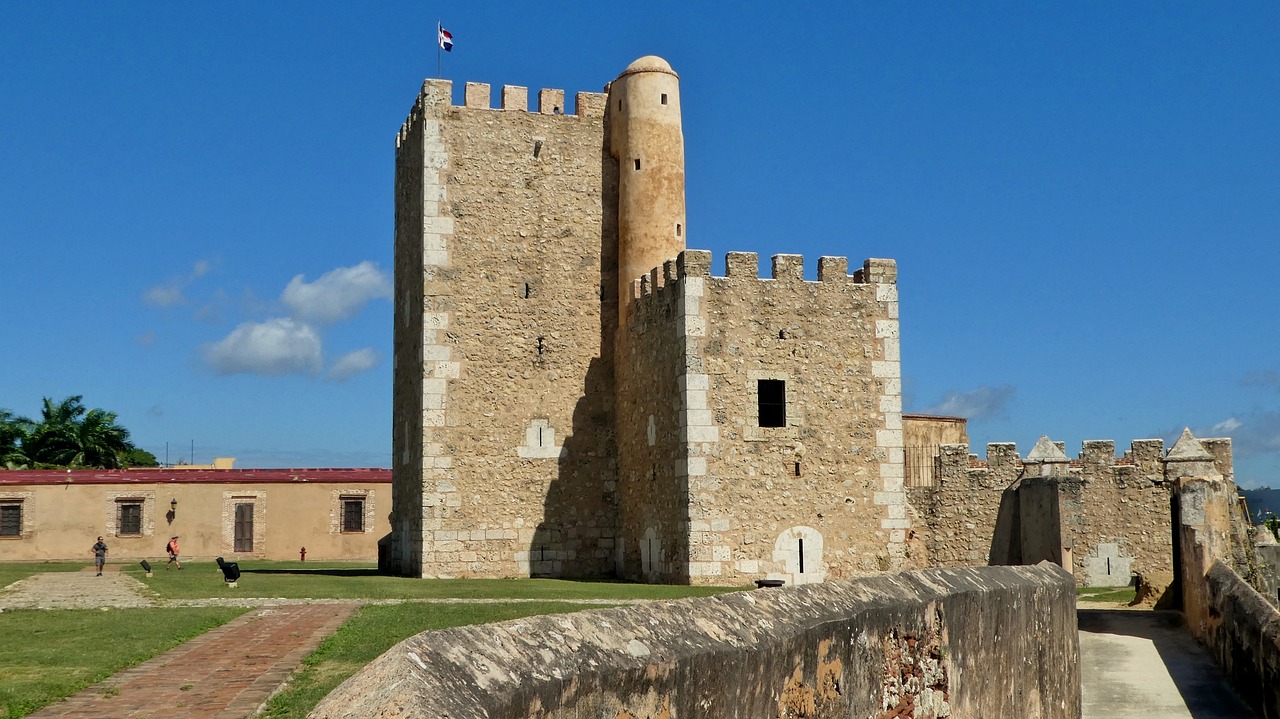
(1006, 541)
(576, 536)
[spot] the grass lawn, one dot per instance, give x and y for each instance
(375, 629)
(1118, 595)
(316, 580)
(50, 654)
(10, 573)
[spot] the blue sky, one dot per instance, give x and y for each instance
(196, 200)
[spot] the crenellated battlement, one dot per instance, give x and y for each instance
(1144, 458)
(745, 265)
(513, 98)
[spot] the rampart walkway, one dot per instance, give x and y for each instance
(1144, 664)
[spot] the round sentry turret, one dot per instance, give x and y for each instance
(648, 142)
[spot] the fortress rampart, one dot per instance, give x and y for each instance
(912, 644)
(1109, 517)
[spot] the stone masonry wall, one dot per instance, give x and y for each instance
(935, 643)
(417, 188)
(822, 496)
(516, 461)
(1115, 512)
(651, 435)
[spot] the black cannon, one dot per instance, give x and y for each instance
(230, 571)
(769, 583)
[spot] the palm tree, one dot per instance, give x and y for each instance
(13, 433)
(99, 441)
(53, 435)
(68, 435)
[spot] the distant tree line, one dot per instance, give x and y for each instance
(68, 435)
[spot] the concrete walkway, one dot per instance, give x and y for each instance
(1144, 664)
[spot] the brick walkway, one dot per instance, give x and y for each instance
(227, 673)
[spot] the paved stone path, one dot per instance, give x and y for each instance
(227, 673)
(77, 590)
(1144, 664)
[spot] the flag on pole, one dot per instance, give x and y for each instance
(445, 38)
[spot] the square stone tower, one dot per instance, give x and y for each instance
(558, 416)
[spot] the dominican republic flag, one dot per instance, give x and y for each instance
(445, 38)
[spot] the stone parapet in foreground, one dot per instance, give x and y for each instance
(967, 642)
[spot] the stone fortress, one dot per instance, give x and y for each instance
(577, 395)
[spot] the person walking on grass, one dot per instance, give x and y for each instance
(172, 549)
(99, 555)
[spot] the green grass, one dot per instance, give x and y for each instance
(1118, 595)
(375, 629)
(52, 654)
(314, 580)
(10, 573)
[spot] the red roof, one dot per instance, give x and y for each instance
(365, 475)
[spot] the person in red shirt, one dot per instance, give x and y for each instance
(172, 549)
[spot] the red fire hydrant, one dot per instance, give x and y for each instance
(302, 555)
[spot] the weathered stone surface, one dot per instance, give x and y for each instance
(1244, 638)
(937, 643)
(1107, 507)
(574, 395)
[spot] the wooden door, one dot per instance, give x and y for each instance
(244, 527)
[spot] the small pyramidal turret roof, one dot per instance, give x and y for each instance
(1046, 451)
(1188, 449)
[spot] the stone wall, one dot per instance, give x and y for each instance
(1244, 638)
(655, 388)
(504, 452)
(1236, 624)
(1112, 518)
(931, 643)
(821, 495)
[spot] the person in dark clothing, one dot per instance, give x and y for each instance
(99, 555)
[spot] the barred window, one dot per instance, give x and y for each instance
(353, 514)
(11, 519)
(129, 517)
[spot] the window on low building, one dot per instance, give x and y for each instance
(11, 519)
(129, 517)
(353, 514)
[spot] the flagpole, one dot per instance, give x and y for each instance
(438, 26)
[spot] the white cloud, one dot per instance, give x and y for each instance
(338, 294)
(1251, 433)
(1227, 425)
(276, 347)
(352, 364)
(980, 403)
(166, 295)
(147, 339)
(170, 293)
